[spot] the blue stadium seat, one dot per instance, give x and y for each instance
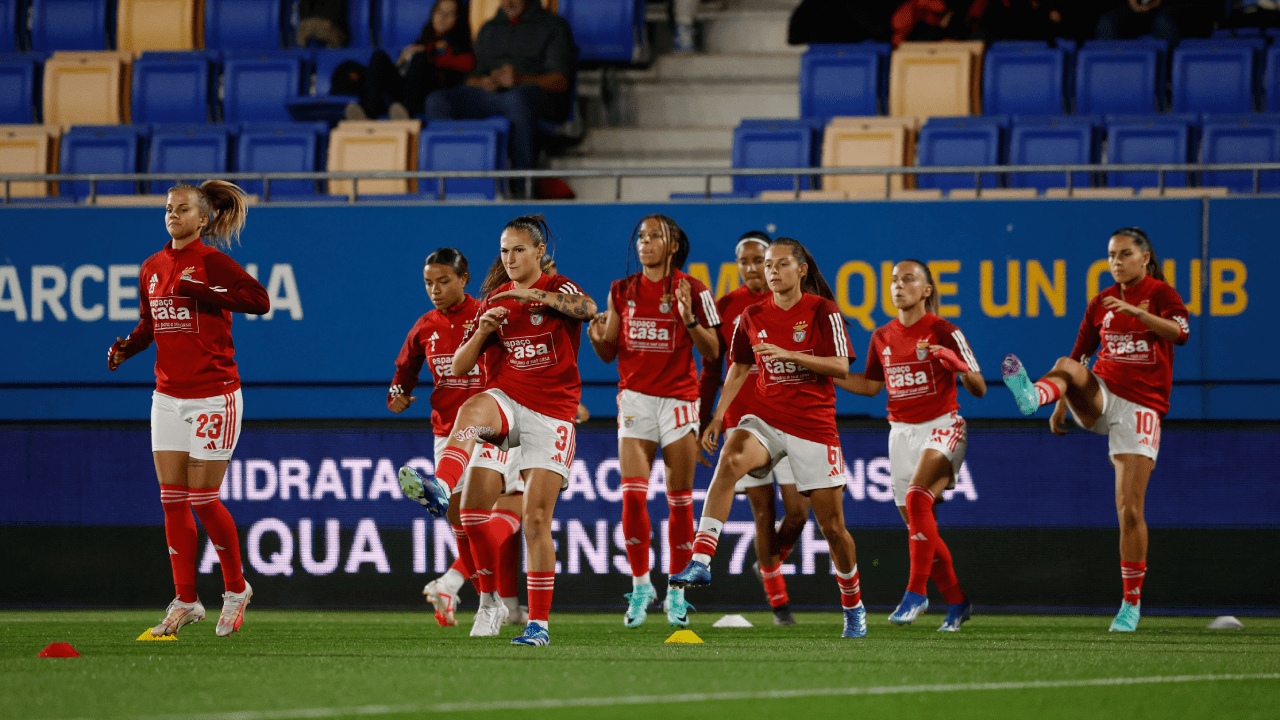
(281, 147)
(399, 23)
(10, 13)
(766, 144)
(202, 150)
(71, 25)
(256, 86)
(1064, 141)
(360, 23)
(1241, 139)
(845, 80)
(173, 87)
(458, 149)
(945, 141)
(243, 24)
(88, 149)
(20, 88)
(1215, 76)
(1120, 77)
(322, 106)
(605, 30)
(1153, 140)
(498, 124)
(1271, 80)
(1021, 78)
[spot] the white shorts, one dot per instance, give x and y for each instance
(813, 465)
(1131, 429)
(907, 441)
(205, 428)
(657, 419)
(780, 474)
(545, 443)
(487, 456)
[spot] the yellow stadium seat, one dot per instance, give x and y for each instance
(29, 149)
(87, 88)
(159, 25)
(1111, 193)
(374, 145)
(867, 142)
(935, 79)
(993, 194)
(482, 11)
(1183, 192)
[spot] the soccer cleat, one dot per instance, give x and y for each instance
(534, 634)
(782, 615)
(638, 602)
(695, 574)
(444, 601)
(1024, 391)
(957, 614)
(489, 619)
(677, 608)
(432, 494)
(1127, 619)
(519, 617)
(177, 615)
(233, 605)
(911, 607)
(855, 622)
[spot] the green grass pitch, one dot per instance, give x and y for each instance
(309, 664)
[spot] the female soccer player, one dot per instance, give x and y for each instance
(656, 317)
(772, 546)
(433, 339)
(1133, 326)
(187, 293)
(798, 338)
(534, 321)
(917, 356)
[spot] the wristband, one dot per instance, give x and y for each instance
(693, 324)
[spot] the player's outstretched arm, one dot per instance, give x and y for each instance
(858, 384)
(834, 365)
(603, 332)
(578, 307)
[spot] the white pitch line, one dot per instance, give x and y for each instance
(554, 704)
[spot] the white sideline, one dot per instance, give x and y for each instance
(553, 704)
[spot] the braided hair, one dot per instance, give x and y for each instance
(675, 260)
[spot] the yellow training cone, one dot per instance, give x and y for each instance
(684, 636)
(146, 636)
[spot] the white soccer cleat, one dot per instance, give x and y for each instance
(177, 615)
(437, 593)
(489, 619)
(233, 605)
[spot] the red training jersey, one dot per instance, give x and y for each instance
(730, 306)
(434, 339)
(920, 386)
(186, 298)
(790, 397)
(1134, 362)
(537, 361)
(655, 351)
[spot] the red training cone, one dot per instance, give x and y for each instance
(58, 650)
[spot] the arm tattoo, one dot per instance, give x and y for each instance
(579, 307)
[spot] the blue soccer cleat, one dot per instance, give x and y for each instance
(911, 607)
(638, 602)
(432, 494)
(677, 608)
(695, 574)
(1024, 391)
(957, 614)
(855, 622)
(1127, 619)
(534, 634)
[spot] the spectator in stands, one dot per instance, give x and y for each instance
(322, 22)
(440, 58)
(1169, 20)
(1037, 20)
(524, 71)
(841, 21)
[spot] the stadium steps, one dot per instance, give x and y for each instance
(641, 189)
(758, 25)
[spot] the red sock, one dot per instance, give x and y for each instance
(1049, 392)
(775, 585)
(705, 543)
(944, 573)
(453, 462)
(483, 553)
(1132, 574)
(501, 525)
(850, 588)
(509, 562)
(180, 532)
(222, 532)
(680, 529)
(460, 567)
(783, 552)
(464, 552)
(635, 523)
(923, 529)
(541, 586)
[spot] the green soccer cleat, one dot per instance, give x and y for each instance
(1127, 619)
(638, 602)
(1024, 391)
(677, 608)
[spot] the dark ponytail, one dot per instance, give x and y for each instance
(933, 302)
(812, 282)
(535, 226)
(1143, 243)
(674, 233)
(451, 258)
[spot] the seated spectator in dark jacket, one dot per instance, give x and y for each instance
(524, 70)
(441, 57)
(1164, 19)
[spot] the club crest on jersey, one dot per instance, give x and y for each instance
(628, 420)
(799, 330)
(1144, 305)
(186, 274)
(537, 318)
(922, 350)
(664, 307)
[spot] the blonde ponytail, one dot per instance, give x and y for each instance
(224, 204)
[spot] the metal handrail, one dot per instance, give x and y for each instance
(617, 174)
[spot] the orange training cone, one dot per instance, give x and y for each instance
(58, 650)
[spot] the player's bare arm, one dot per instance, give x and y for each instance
(579, 307)
(1164, 327)
(603, 333)
(836, 367)
(1058, 420)
(738, 373)
(468, 355)
(858, 384)
(706, 339)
